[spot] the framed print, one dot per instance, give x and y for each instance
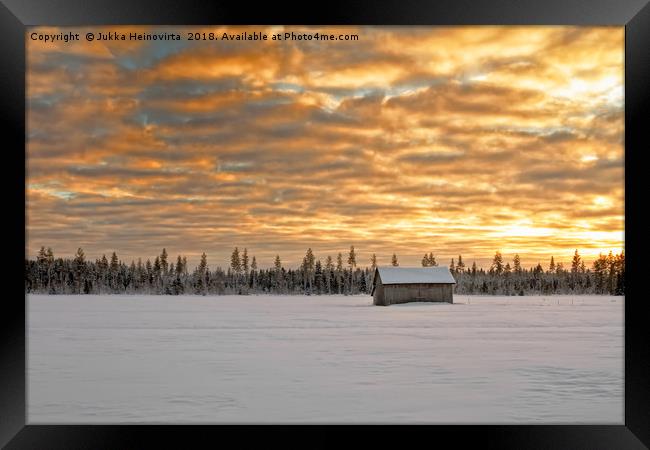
(395, 214)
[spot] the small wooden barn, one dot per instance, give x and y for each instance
(412, 284)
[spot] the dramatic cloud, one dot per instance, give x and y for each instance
(452, 140)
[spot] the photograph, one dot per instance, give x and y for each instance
(325, 224)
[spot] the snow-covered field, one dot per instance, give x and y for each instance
(320, 359)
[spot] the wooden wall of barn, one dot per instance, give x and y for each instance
(402, 293)
(378, 295)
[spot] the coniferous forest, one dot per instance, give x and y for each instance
(48, 274)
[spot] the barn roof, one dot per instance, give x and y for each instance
(410, 275)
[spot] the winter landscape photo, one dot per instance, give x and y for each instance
(278, 224)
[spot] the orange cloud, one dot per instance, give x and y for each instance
(456, 140)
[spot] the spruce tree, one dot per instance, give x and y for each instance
(339, 272)
(600, 273)
(318, 277)
(149, 274)
(432, 260)
(497, 264)
(235, 261)
(202, 275)
(235, 266)
(352, 263)
(460, 266)
(79, 270)
(113, 269)
(179, 267)
(393, 260)
(611, 273)
(620, 274)
(157, 273)
(329, 273)
(49, 257)
(278, 273)
(41, 264)
(254, 273)
(575, 263)
(163, 262)
(308, 269)
(244, 261)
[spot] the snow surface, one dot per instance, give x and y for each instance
(410, 275)
(324, 359)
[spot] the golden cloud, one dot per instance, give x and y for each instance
(456, 140)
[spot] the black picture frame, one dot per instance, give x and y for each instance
(15, 15)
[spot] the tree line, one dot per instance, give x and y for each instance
(606, 276)
(339, 275)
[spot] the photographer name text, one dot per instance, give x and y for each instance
(103, 36)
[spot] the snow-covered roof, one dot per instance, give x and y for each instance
(410, 275)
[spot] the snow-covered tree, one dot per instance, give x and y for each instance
(164, 266)
(235, 266)
(201, 276)
(254, 273)
(308, 270)
(329, 273)
(235, 261)
(80, 271)
(339, 272)
(318, 277)
(277, 265)
(47, 274)
(179, 267)
(244, 261)
(352, 263)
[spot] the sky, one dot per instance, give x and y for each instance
(409, 140)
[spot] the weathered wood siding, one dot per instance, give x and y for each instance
(402, 293)
(378, 296)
